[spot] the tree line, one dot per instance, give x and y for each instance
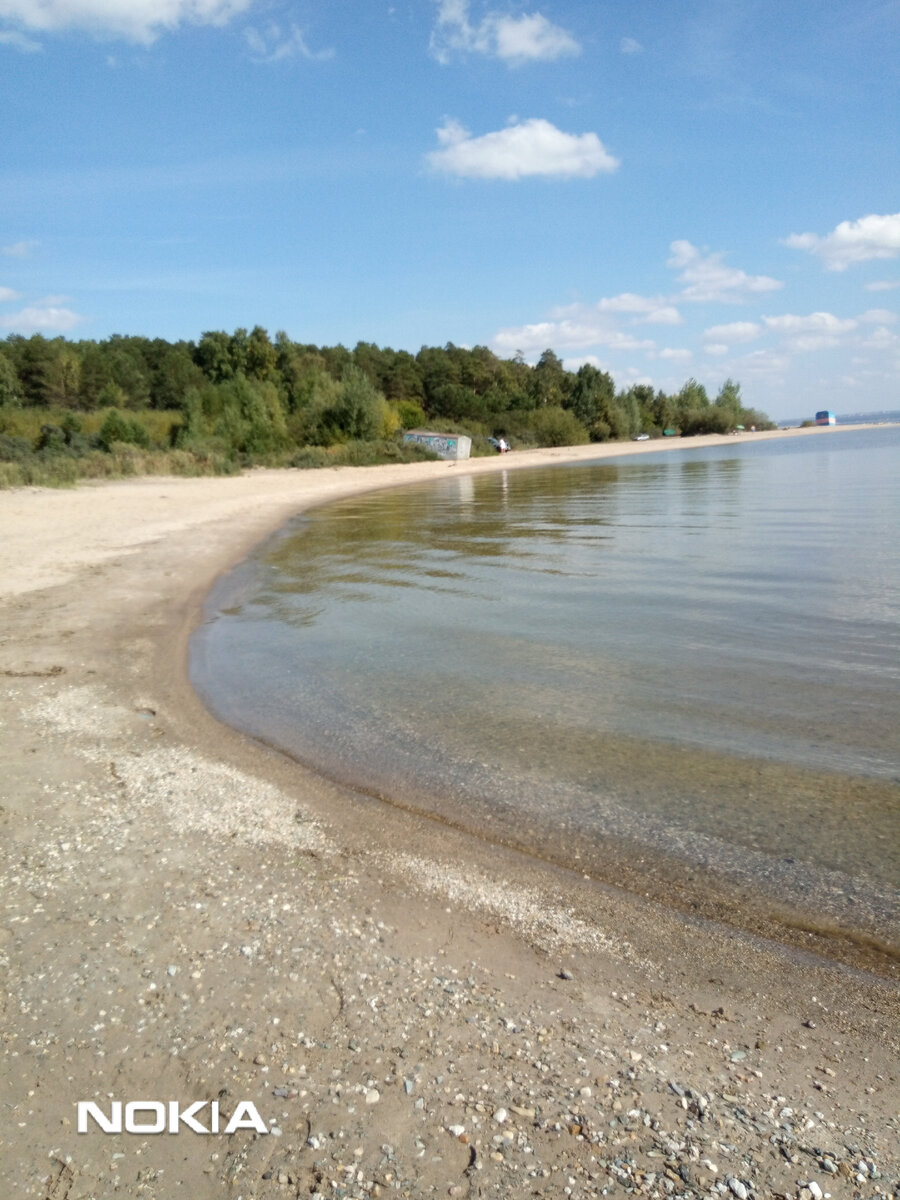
(230, 400)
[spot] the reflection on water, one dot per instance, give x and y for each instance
(698, 653)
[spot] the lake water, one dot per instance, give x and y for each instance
(677, 672)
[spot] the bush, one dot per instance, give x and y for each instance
(15, 449)
(361, 454)
(555, 426)
(119, 428)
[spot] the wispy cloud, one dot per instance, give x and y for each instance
(275, 44)
(629, 45)
(7, 294)
(733, 332)
(19, 249)
(134, 20)
(569, 333)
(814, 331)
(883, 285)
(851, 242)
(515, 40)
(44, 316)
(526, 148)
(19, 41)
(706, 277)
(648, 310)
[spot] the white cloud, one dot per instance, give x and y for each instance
(817, 322)
(135, 20)
(764, 362)
(881, 338)
(526, 38)
(647, 310)
(707, 278)
(883, 285)
(566, 334)
(716, 348)
(527, 148)
(585, 360)
(676, 355)
(628, 45)
(27, 45)
(43, 316)
(852, 241)
(515, 40)
(274, 44)
(879, 316)
(7, 294)
(19, 249)
(736, 331)
(816, 331)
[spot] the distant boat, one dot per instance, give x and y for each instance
(825, 418)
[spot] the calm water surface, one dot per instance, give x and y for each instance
(690, 657)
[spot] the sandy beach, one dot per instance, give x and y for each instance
(189, 917)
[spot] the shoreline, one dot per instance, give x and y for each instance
(187, 911)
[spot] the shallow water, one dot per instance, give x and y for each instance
(685, 658)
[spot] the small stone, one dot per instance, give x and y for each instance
(814, 1190)
(500, 1115)
(456, 1130)
(738, 1188)
(564, 974)
(372, 1096)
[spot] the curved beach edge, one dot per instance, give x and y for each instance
(189, 916)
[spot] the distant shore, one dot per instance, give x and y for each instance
(187, 915)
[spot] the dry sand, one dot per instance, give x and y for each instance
(190, 917)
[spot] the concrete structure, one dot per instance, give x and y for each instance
(445, 445)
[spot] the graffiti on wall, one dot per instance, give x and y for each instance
(441, 443)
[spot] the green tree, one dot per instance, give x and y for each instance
(261, 356)
(358, 412)
(591, 398)
(213, 356)
(549, 381)
(10, 387)
(556, 426)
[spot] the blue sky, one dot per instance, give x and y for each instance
(665, 188)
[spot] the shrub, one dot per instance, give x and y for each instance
(119, 428)
(555, 426)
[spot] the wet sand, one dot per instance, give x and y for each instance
(188, 915)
